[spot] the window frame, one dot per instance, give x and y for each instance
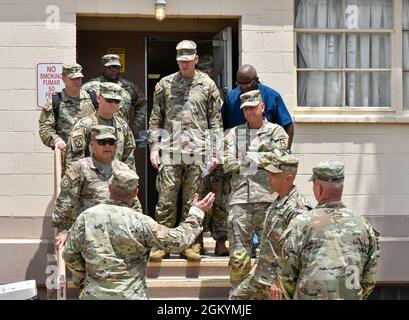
(393, 113)
(403, 69)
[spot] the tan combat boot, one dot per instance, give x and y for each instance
(159, 255)
(199, 241)
(192, 254)
(220, 249)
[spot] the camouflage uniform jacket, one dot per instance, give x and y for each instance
(277, 219)
(71, 109)
(83, 186)
(329, 253)
(109, 245)
(132, 97)
(78, 143)
(251, 186)
(185, 109)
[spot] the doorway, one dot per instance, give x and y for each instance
(149, 53)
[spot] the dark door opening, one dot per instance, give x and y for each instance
(150, 54)
(161, 62)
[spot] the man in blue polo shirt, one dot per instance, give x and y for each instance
(275, 109)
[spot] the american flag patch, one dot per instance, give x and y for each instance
(72, 174)
(160, 232)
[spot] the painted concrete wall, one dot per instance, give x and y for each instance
(376, 155)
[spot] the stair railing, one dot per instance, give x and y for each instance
(61, 275)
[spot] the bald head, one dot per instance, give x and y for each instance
(247, 78)
(247, 70)
(326, 191)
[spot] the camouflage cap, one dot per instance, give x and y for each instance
(123, 179)
(205, 63)
(328, 171)
(110, 90)
(100, 132)
(278, 161)
(110, 60)
(251, 98)
(186, 50)
(72, 70)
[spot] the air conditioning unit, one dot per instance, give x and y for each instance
(23, 290)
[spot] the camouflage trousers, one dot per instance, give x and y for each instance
(250, 289)
(170, 179)
(244, 219)
(216, 220)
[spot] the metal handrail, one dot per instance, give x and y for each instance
(61, 276)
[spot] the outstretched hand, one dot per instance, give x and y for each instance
(206, 203)
(275, 292)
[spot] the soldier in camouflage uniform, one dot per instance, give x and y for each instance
(185, 105)
(216, 220)
(75, 103)
(133, 100)
(85, 182)
(108, 99)
(250, 197)
(339, 251)
(109, 244)
(282, 170)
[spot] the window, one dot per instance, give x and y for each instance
(344, 53)
(405, 50)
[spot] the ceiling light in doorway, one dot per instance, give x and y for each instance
(154, 76)
(160, 9)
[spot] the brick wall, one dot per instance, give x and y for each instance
(26, 166)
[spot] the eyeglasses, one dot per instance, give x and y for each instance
(112, 101)
(113, 67)
(248, 83)
(103, 142)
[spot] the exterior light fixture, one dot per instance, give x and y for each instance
(160, 9)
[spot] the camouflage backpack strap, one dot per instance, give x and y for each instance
(126, 85)
(93, 96)
(56, 101)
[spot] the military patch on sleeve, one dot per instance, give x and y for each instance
(72, 174)
(65, 183)
(79, 143)
(158, 88)
(77, 132)
(78, 140)
(216, 94)
(282, 143)
(161, 231)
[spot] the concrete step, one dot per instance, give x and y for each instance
(166, 288)
(175, 278)
(208, 266)
(200, 288)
